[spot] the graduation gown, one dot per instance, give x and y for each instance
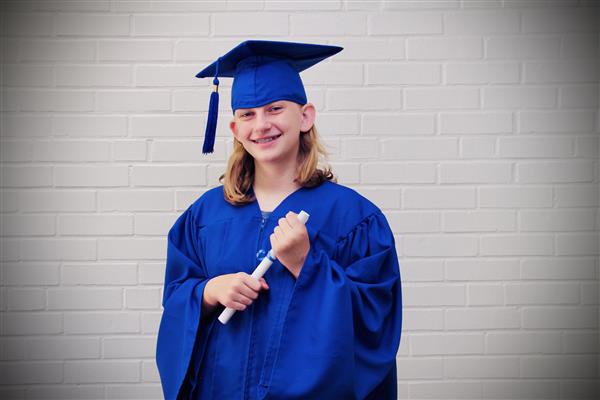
(331, 334)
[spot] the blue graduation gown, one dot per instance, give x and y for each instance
(331, 334)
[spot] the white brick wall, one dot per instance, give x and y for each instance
(473, 124)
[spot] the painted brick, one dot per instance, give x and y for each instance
(25, 299)
(59, 249)
(135, 200)
(577, 244)
(482, 73)
(23, 274)
(153, 224)
(171, 25)
(129, 150)
(16, 125)
(575, 317)
(346, 24)
(422, 48)
(63, 50)
(481, 22)
(485, 295)
(57, 201)
(62, 348)
(550, 172)
(363, 99)
(422, 270)
(486, 269)
(91, 25)
(168, 175)
(91, 75)
(405, 23)
(516, 97)
(134, 50)
(403, 74)
(441, 98)
(26, 176)
(505, 367)
(71, 151)
(483, 318)
(27, 75)
(27, 225)
(101, 371)
(556, 121)
(142, 298)
(479, 221)
(31, 323)
(30, 372)
(542, 293)
(250, 24)
(90, 126)
(523, 342)
(438, 198)
(522, 47)
(85, 299)
(134, 100)
(428, 320)
(133, 347)
(563, 268)
(535, 147)
(485, 172)
(98, 323)
(16, 151)
(438, 390)
(132, 249)
(477, 147)
(419, 149)
(557, 220)
(414, 221)
(559, 366)
(475, 123)
(440, 245)
(576, 196)
(96, 176)
(560, 72)
(166, 126)
(99, 274)
(396, 125)
(523, 389)
(515, 196)
(517, 244)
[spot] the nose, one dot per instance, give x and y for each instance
(262, 123)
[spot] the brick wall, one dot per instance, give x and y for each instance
(473, 125)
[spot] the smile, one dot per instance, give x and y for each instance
(266, 140)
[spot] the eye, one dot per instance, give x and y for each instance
(246, 114)
(275, 108)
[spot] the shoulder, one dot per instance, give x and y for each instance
(341, 208)
(210, 207)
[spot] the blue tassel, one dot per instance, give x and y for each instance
(211, 120)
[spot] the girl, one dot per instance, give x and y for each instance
(325, 321)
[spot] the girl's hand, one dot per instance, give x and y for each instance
(290, 243)
(235, 291)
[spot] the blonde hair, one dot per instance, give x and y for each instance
(238, 178)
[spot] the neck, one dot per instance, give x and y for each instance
(275, 177)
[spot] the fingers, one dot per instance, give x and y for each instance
(263, 284)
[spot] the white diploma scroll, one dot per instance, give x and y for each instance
(260, 270)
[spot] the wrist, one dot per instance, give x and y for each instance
(208, 299)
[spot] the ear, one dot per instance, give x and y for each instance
(233, 128)
(309, 113)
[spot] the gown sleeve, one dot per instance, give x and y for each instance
(185, 279)
(343, 325)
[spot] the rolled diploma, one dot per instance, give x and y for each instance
(259, 271)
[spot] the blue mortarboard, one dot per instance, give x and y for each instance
(263, 71)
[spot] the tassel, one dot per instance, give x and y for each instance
(211, 122)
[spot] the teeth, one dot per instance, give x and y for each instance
(266, 140)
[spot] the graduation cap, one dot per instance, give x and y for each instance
(264, 71)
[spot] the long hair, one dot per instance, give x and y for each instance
(238, 178)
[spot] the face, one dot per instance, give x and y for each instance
(271, 133)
